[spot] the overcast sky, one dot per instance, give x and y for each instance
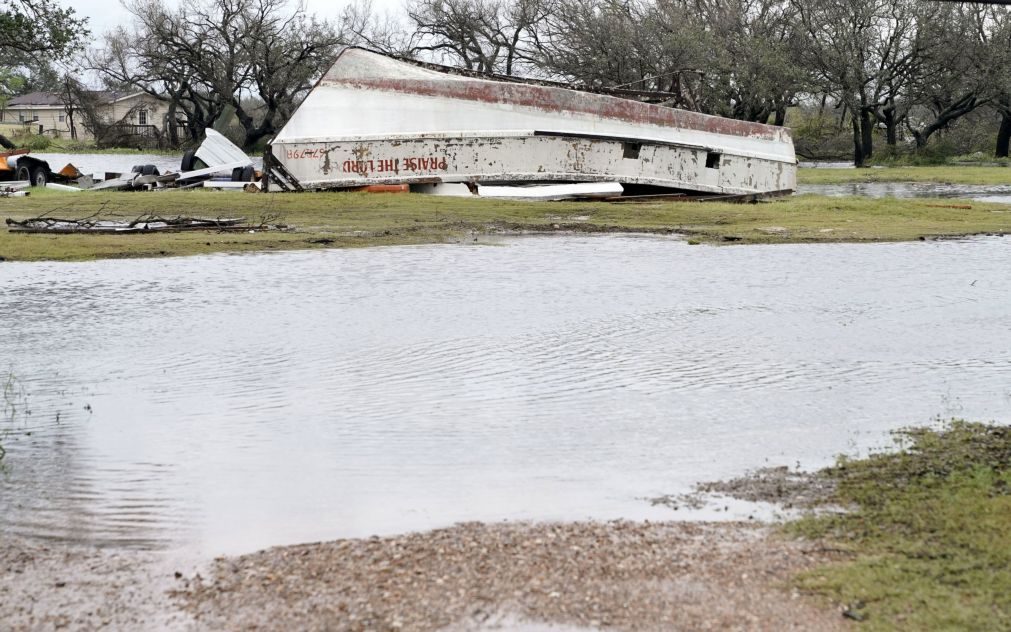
(107, 14)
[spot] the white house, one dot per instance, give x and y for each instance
(48, 113)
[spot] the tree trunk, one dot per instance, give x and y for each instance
(170, 122)
(1004, 134)
(890, 126)
(780, 117)
(858, 145)
(866, 133)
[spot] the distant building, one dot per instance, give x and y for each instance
(130, 113)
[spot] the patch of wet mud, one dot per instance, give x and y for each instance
(773, 493)
(779, 485)
(57, 586)
(474, 576)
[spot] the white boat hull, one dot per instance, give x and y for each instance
(377, 120)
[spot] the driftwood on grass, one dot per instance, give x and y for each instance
(143, 224)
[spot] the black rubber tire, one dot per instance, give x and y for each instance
(23, 173)
(248, 174)
(237, 174)
(40, 175)
(189, 161)
(136, 168)
(149, 170)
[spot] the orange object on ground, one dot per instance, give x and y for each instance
(70, 171)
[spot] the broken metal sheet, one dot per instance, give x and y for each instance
(229, 185)
(122, 182)
(218, 150)
(62, 187)
(581, 190)
(213, 171)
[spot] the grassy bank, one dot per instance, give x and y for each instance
(929, 532)
(946, 174)
(319, 220)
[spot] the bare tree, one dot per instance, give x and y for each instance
(206, 57)
(482, 35)
(637, 45)
(950, 86)
(753, 73)
(863, 52)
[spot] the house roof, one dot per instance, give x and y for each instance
(36, 98)
(56, 99)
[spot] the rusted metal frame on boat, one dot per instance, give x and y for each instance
(274, 171)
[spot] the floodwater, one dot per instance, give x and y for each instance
(99, 164)
(983, 192)
(226, 403)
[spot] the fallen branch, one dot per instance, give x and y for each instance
(145, 223)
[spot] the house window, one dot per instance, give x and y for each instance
(63, 118)
(35, 118)
(142, 117)
(21, 117)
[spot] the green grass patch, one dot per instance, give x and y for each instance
(942, 174)
(929, 532)
(358, 219)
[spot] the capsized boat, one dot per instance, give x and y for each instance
(375, 119)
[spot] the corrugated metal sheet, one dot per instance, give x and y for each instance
(218, 150)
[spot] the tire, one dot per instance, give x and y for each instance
(136, 168)
(189, 161)
(39, 177)
(237, 174)
(248, 174)
(23, 173)
(149, 170)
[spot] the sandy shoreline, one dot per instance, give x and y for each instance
(473, 576)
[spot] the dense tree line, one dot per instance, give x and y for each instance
(893, 71)
(898, 69)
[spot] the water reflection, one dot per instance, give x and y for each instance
(982, 192)
(242, 401)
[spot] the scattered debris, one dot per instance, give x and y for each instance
(217, 163)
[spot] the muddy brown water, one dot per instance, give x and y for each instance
(225, 403)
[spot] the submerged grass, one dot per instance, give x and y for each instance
(943, 174)
(929, 532)
(320, 220)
